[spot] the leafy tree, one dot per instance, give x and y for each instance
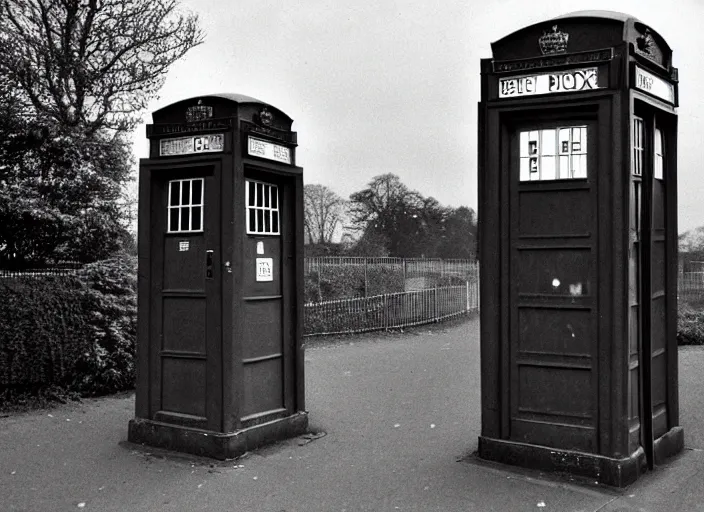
(691, 249)
(91, 64)
(410, 223)
(75, 76)
(459, 234)
(323, 213)
(59, 196)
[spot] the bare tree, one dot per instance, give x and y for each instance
(324, 212)
(92, 64)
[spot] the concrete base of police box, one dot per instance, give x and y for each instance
(615, 472)
(216, 445)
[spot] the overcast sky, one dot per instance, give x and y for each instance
(393, 86)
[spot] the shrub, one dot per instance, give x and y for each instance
(75, 332)
(111, 307)
(690, 326)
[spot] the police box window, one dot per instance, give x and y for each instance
(262, 200)
(553, 154)
(185, 205)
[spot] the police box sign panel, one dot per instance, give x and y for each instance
(192, 145)
(575, 80)
(268, 150)
(655, 85)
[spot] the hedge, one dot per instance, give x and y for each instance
(77, 332)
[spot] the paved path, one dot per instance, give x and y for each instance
(401, 414)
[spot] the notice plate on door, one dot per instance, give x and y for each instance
(265, 269)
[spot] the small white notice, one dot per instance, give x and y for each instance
(265, 269)
(183, 246)
(260, 247)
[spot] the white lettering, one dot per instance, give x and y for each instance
(548, 83)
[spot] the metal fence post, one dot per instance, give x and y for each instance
(466, 288)
(435, 294)
(365, 277)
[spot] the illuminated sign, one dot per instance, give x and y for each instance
(268, 150)
(576, 80)
(192, 145)
(654, 85)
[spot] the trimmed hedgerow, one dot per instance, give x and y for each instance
(76, 332)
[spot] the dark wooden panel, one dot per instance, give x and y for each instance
(657, 329)
(262, 330)
(263, 386)
(557, 331)
(658, 267)
(541, 268)
(184, 324)
(659, 381)
(659, 421)
(272, 249)
(568, 212)
(558, 435)
(557, 391)
(634, 391)
(184, 270)
(183, 385)
(633, 330)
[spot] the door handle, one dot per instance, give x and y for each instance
(208, 264)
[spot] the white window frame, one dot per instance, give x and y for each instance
(658, 154)
(272, 191)
(638, 145)
(189, 206)
(536, 152)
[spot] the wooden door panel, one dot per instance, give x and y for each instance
(552, 304)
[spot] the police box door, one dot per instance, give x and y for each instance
(267, 287)
(185, 295)
(552, 284)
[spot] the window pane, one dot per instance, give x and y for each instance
(658, 160)
(525, 173)
(564, 140)
(267, 222)
(274, 197)
(186, 192)
(533, 148)
(547, 170)
(197, 192)
(174, 193)
(534, 169)
(565, 167)
(548, 142)
(524, 144)
(260, 193)
(260, 220)
(267, 191)
(251, 192)
(173, 219)
(184, 218)
(196, 212)
(250, 216)
(275, 222)
(579, 166)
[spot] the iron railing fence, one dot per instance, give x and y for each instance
(690, 286)
(332, 278)
(64, 269)
(391, 310)
(410, 266)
